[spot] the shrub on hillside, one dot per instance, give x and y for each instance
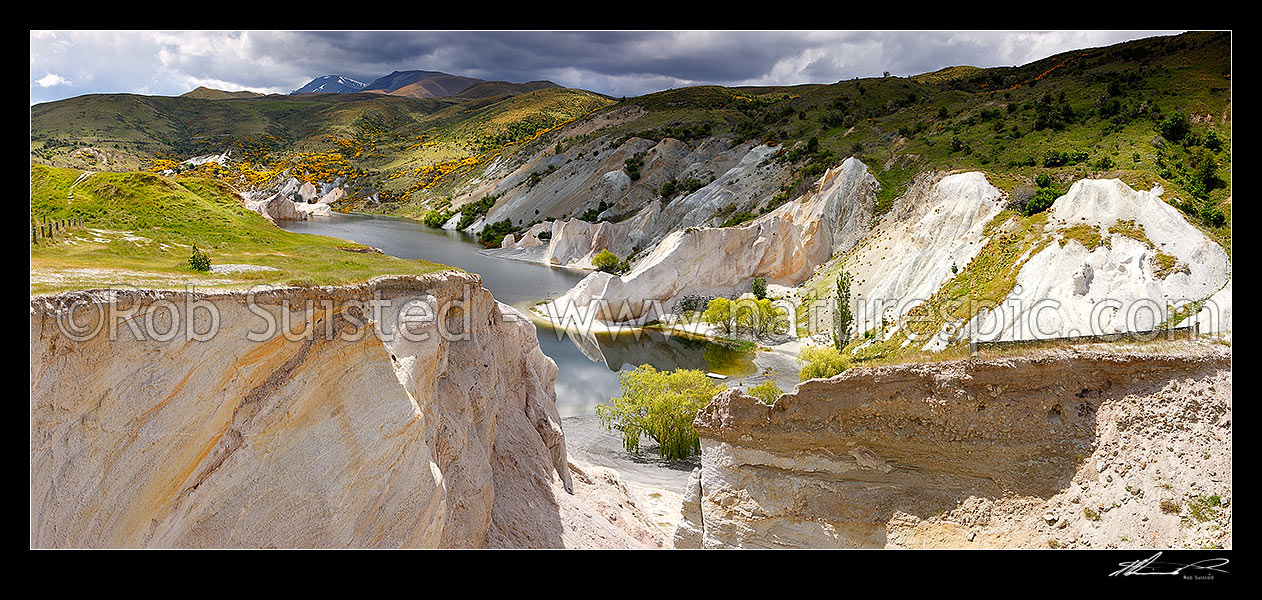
(659, 405)
(606, 261)
(1210, 214)
(1041, 201)
(766, 392)
(474, 210)
(1212, 141)
(821, 362)
(199, 261)
(759, 287)
(1019, 197)
(1174, 127)
(492, 235)
(632, 165)
(435, 218)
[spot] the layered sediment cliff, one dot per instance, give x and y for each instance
(785, 246)
(403, 412)
(1063, 448)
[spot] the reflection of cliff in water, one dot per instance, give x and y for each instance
(664, 352)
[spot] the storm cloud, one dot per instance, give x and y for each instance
(66, 64)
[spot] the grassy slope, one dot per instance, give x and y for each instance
(953, 119)
(388, 140)
(140, 229)
(897, 125)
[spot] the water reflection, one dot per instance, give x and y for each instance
(590, 360)
(588, 365)
(512, 282)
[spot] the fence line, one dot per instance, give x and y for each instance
(48, 230)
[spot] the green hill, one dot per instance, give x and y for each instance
(206, 93)
(140, 229)
(392, 144)
(1152, 111)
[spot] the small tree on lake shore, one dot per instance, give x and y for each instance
(660, 405)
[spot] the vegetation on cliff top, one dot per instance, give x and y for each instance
(140, 229)
(392, 146)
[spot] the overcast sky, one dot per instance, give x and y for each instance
(71, 63)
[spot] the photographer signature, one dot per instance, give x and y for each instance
(1150, 566)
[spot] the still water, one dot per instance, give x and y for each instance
(588, 366)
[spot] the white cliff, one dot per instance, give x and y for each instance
(909, 256)
(1121, 284)
(785, 246)
(371, 430)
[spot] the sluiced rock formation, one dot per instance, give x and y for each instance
(784, 246)
(1121, 284)
(295, 200)
(971, 454)
(636, 216)
(339, 438)
(936, 224)
(277, 208)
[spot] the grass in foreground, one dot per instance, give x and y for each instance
(140, 229)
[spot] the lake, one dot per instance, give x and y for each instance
(587, 366)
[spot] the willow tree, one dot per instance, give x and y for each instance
(659, 405)
(720, 313)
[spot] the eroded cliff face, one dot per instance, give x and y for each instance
(785, 246)
(427, 421)
(1137, 231)
(1065, 448)
(733, 178)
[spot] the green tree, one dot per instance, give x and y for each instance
(199, 261)
(761, 317)
(436, 217)
(1174, 127)
(821, 362)
(766, 392)
(1041, 201)
(1206, 169)
(843, 318)
(720, 313)
(606, 261)
(760, 285)
(659, 405)
(493, 235)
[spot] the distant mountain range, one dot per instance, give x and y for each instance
(421, 84)
(331, 84)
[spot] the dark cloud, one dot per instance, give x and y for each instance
(65, 64)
